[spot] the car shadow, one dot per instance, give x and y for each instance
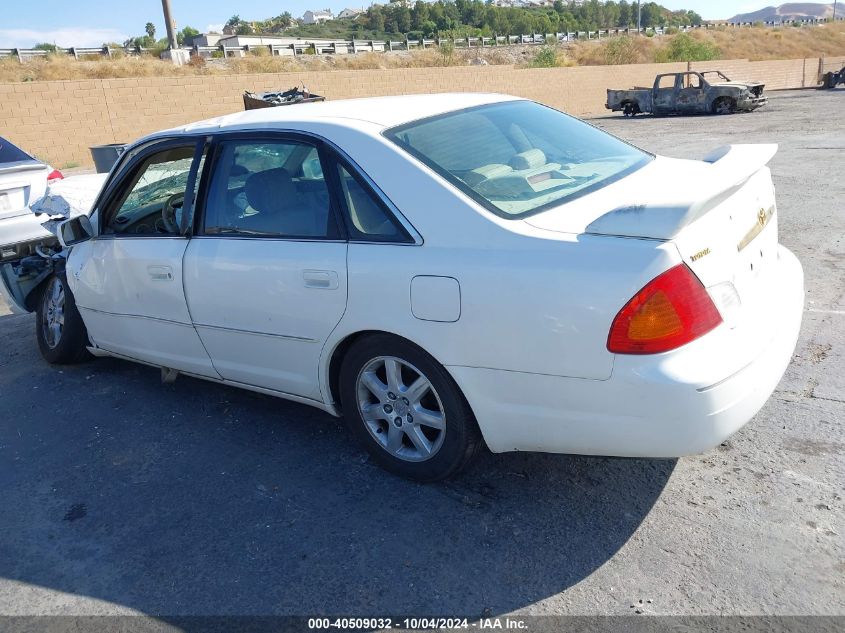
(196, 499)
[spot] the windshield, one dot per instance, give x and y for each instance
(519, 157)
(11, 153)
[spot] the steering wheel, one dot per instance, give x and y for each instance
(168, 212)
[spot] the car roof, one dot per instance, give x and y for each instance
(382, 112)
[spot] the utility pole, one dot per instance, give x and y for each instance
(175, 54)
(168, 24)
(834, 9)
(639, 17)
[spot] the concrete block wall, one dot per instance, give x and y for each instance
(59, 120)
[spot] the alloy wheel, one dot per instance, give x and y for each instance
(401, 409)
(53, 321)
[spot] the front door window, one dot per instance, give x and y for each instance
(153, 199)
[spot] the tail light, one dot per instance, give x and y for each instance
(55, 175)
(672, 310)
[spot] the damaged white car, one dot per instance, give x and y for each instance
(440, 269)
(23, 181)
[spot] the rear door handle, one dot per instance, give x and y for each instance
(160, 273)
(320, 279)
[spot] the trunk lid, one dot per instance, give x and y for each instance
(21, 184)
(720, 213)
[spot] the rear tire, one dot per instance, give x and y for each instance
(406, 409)
(62, 337)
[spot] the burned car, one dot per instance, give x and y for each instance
(689, 93)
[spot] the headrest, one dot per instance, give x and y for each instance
(528, 159)
(270, 191)
(485, 172)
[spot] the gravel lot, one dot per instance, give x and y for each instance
(121, 495)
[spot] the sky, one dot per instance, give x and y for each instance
(92, 22)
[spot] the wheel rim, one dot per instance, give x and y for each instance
(53, 321)
(401, 409)
(723, 107)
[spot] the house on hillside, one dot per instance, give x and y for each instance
(317, 17)
(206, 39)
(349, 14)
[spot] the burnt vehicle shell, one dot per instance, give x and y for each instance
(709, 92)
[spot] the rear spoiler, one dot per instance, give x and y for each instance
(731, 166)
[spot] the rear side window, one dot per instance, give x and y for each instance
(270, 189)
(10, 153)
(368, 218)
(519, 157)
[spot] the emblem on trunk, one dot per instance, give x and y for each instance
(700, 254)
(763, 217)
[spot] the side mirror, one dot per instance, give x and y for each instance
(75, 230)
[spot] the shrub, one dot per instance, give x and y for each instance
(447, 53)
(620, 50)
(685, 48)
(546, 57)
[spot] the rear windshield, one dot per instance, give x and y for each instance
(518, 158)
(11, 153)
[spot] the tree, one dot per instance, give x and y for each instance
(625, 11)
(150, 28)
(403, 19)
(186, 34)
(46, 46)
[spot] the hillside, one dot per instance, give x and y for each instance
(791, 11)
(725, 43)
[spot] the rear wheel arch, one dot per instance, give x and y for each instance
(457, 437)
(342, 347)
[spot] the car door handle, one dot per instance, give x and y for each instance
(160, 273)
(320, 279)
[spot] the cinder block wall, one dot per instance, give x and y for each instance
(59, 120)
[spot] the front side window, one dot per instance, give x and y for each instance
(518, 158)
(268, 188)
(154, 196)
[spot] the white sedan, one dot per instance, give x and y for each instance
(441, 270)
(23, 180)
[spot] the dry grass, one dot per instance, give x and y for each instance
(757, 44)
(752, 43)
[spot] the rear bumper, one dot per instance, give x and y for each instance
(666, 405)
(22, 228)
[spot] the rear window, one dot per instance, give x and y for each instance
(11, 153)
(518, 158)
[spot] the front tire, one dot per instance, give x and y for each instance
(724, 105)
(406, 410)
(62, 337)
